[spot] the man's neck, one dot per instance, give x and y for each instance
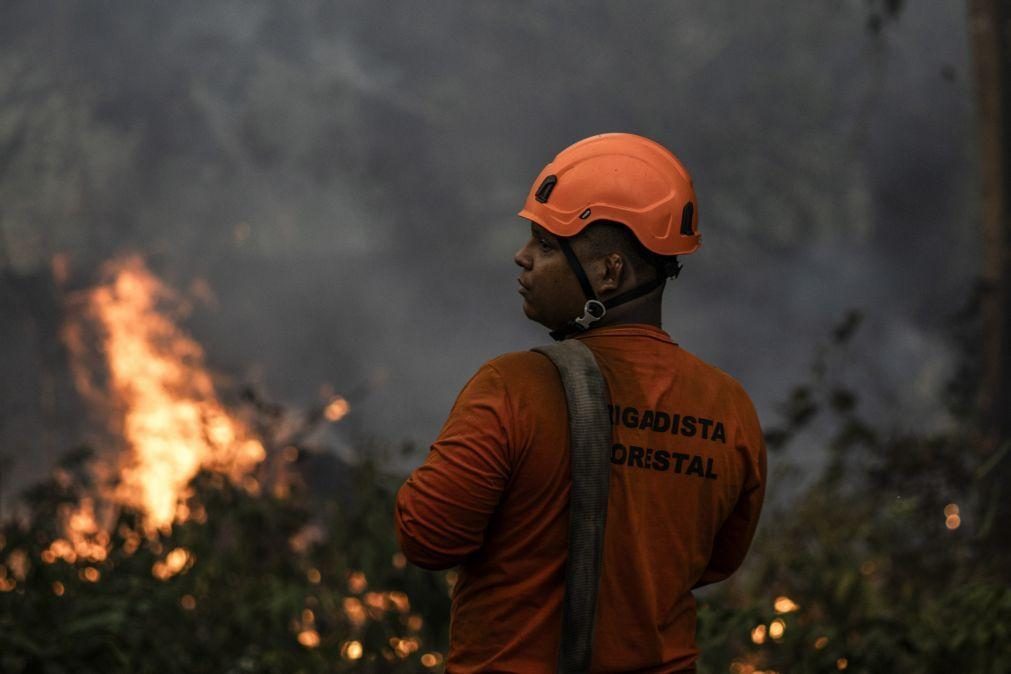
(643, 312)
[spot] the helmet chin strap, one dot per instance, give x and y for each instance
(594, 309)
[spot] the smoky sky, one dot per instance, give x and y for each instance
(345, 177)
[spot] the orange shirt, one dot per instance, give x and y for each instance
(687, 481)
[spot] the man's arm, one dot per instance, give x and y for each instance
(443, 508)
(734, 537)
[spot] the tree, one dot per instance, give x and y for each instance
(990, 33)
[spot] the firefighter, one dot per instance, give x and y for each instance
(609, 217)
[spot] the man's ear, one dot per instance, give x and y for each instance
(613, 271)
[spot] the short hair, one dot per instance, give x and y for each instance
(607, 236)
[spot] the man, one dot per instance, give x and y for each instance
(608, 217)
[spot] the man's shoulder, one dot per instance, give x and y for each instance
(719, 379)
(525, 382)
(520, 365)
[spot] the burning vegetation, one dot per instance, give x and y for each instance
(209, 536)
(196, 536)
(169, 414)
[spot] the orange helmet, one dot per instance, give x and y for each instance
(620, 177)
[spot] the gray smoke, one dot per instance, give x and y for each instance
(345, 176)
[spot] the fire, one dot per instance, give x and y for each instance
(776, 628)
(149, 380)
(309, 638)
(86, 540)
(404, 647)
(174, 562)
(355, 611)
(352, 650)
(784, 604)
(431, 659)
(336, 409)
(172, 420)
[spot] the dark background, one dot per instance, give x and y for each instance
(345, 178)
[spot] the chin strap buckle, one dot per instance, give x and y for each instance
(593, 311)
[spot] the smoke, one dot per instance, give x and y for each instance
(345, 178)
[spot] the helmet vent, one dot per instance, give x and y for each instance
(686, 219)
(585, 214)
(544, 191)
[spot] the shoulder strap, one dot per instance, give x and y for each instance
(590, 440)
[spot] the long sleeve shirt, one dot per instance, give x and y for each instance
(688, 472)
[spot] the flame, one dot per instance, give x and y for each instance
(309, 638)
(952, 520)
(776, 628)
(172, 420)
(85, 539)
(352, 650)
(399, 601)
(355, 611)
(357, 582)
(431, 659)
(375, 600)
(784, 604)
(404, 647)
(336, 409)
(174, 562)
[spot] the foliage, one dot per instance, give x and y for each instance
(882, 563)
(266, 576)
(883, 559)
